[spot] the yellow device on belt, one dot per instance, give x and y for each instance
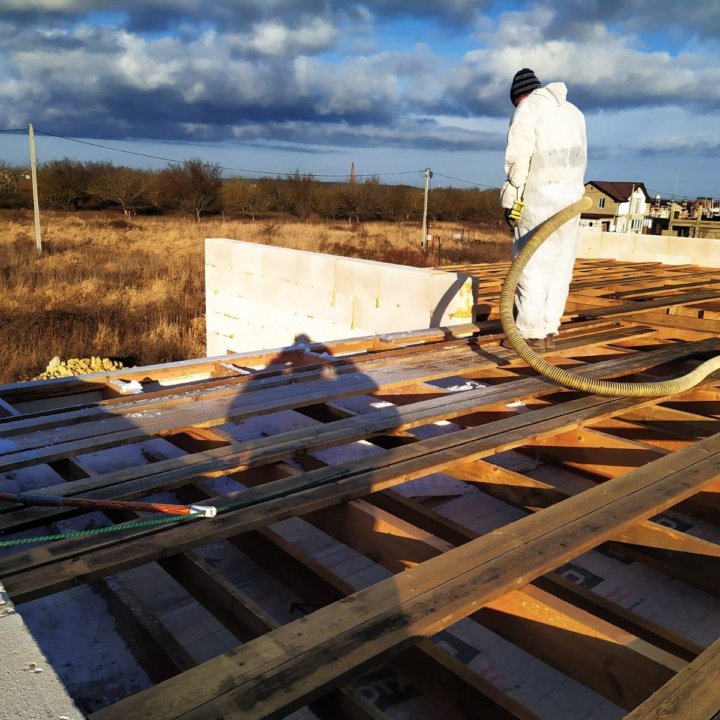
(515, 212)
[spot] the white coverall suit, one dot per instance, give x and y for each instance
(545, 165)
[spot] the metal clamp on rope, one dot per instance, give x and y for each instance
(204, 510)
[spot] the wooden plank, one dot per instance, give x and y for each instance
(691, 695)
(450, 531)
(530, 494)
(665, 300)
(619, 666)
(64, 437)
(621, 365)
(134, 482)
(284, 498)
(247, 620)
(22, 392)
(7, 410)
(278, 672)
(680, 324)
(263, 378)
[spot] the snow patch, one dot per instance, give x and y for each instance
(126, 387)
(469, 385)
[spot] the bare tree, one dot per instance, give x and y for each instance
(363, 200)
(299, 194)
(129, 188)
(193, 186)
(243, 196)
(403, 203)
(63, 183)
(14, 186)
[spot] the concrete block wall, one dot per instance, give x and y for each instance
(635, 247)
(259, 296)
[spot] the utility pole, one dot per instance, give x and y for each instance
(677, 177)
(423, 241)
(36, 202)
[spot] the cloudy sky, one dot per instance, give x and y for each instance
(278, 85)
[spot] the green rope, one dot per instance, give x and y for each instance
(237, 505)
(130, 525)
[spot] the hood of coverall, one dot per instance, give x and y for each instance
(556, 92)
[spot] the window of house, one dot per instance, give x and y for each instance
(601, 203)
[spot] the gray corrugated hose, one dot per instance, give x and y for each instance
(565, 378)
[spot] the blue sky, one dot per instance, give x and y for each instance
(396, 86)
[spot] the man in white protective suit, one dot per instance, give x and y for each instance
(545, 164)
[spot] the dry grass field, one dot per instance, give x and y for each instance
(134, 289)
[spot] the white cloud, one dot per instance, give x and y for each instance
(328, 71)
(47, 5)
(274, 38)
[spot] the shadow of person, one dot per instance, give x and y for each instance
(302, 352)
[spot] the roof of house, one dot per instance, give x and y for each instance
(597, 216)
(619, 191)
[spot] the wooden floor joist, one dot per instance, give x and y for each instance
(416, 507)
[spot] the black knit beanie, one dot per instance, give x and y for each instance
(524, 82)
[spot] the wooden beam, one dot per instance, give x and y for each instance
(554, 583)
(247, 620)
(457, 691)
(57, 442)
(280, 671)
(619, 666)
(168, 474)
(691, 695)
(285, 498)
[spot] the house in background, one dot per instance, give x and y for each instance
(617, 207)
(688, 218)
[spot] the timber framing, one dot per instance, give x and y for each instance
(415, 511)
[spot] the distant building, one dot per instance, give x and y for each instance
(618, 206)
(688, 218)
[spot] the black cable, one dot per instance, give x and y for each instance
(469, 182)
(267, 172)
(669, 196)
(229, 169)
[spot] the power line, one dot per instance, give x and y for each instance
(667, 195)
(469, 182)
(220, 167)
(271, 173)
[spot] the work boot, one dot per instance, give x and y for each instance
(550, 343)
(537, 344)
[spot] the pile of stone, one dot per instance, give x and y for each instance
(78, 366)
